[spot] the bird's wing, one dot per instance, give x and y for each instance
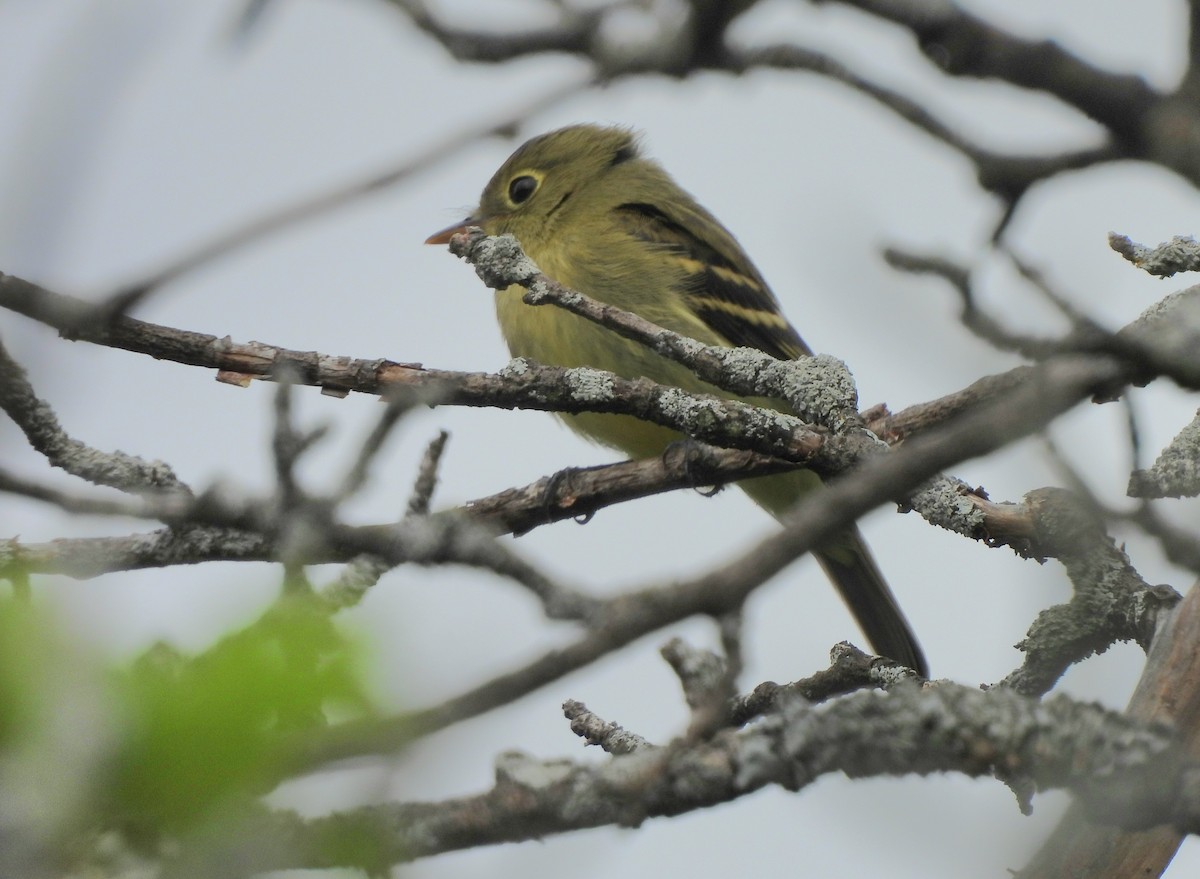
(720, 284)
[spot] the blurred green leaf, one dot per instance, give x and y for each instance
(205, 728)
(22, 632)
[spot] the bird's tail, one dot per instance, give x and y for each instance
(849, 564)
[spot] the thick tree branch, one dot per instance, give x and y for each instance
(962, 44)
(522, 384)
(1125, 771)
(1046, 390)
(1008, 176)
(540, 387)
(1110, 600)
(637, 613)
(1168, 692)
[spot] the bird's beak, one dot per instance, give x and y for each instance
(443, 237)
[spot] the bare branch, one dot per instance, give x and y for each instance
(849, 669)
(1128, 772)
(539, 387)
(1168, 692)
(398, 405)
(707, 685)
(1007, 176)
(1180, 546)
(73, 503)
(1180, 254)
(959, 43)
(41, 427)
(595, 730)
(985, 326)
(1111, 602)
(355, 580)
(87, 557)
(1193, 38)
(523, 384)
(574, 33)
(577, 493)
(1160, 342)
(1176, 472)
(962, 44)
(422, 496)
(1059, 384)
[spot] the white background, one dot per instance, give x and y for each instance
(133, 130)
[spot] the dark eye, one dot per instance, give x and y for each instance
(521, 188)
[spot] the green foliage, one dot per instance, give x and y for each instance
(23, 652)
(202, 730)
(169, 746)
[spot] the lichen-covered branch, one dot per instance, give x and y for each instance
(1180, 254)
(1110, 600)
(1125, 771)
(47, 436)
(1176, 472)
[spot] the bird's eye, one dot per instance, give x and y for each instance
(521, 188)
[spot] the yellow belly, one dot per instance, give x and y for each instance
(556, 337)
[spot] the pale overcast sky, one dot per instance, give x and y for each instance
(130, 130)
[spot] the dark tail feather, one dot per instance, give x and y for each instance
(849, 565)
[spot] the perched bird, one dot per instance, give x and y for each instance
(599, 217)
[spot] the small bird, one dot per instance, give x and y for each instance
(600, 218)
